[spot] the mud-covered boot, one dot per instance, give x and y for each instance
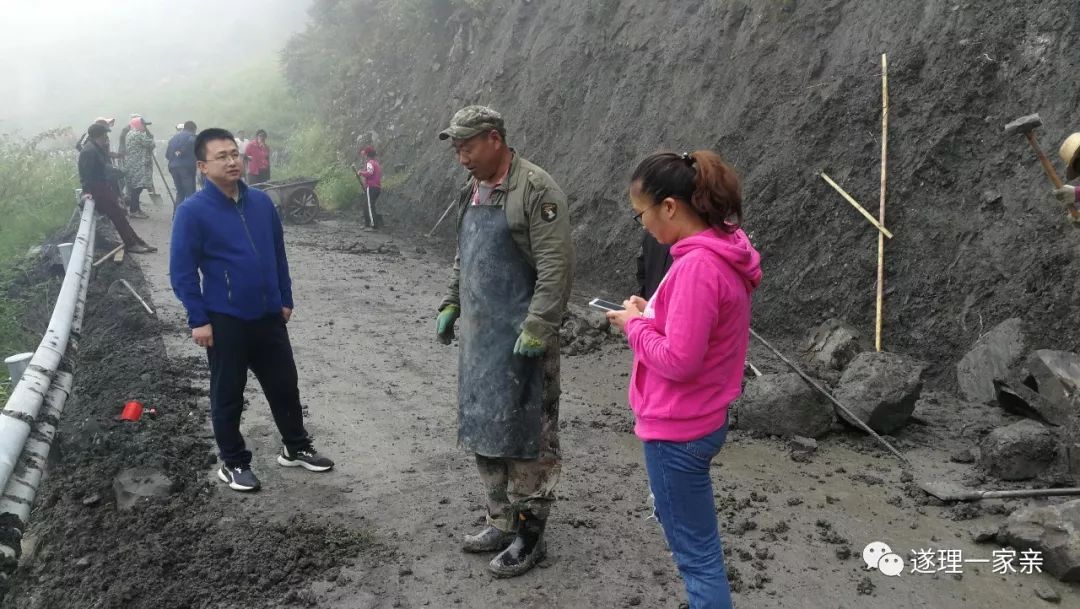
(491, 539)
(527, 550)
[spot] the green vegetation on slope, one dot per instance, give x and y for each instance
(36, 196)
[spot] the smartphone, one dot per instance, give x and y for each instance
(604, 305)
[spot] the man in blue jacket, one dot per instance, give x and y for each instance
(232, 236)
(181, 155)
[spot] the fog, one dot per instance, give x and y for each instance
(66, 62)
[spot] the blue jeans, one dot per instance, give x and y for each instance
(680, 482)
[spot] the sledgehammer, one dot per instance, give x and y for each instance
(1027, 125)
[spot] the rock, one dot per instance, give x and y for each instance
(984, 534)
(134, 484)
(91, 500)
(83, 562)
(1019, 451)
(991, 357)
(833, 344)
(881, 389)
(962, 456)
(1047, 593)
(782, 405)
(1056, 376)
(802, 444)
(1021, 400)
(1054, 531)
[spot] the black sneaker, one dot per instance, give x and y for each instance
(307, 458)
(239, 478)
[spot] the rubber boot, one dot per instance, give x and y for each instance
(491, 539)
(527, 550)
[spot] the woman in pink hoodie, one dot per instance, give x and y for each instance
(689, 344)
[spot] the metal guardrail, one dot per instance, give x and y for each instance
(29, 420)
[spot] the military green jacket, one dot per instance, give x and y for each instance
(539, 220)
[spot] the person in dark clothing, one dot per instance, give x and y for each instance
(231, 235)
(99, 180)
(181, 155)
(653, 263)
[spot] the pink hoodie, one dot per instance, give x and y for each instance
(690, 346)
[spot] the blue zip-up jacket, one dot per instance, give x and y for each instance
(237, 247)
(181, 151)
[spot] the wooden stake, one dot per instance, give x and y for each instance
(109, 255)
(881, 213)
(862, 210)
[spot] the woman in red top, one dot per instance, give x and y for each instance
(258, 155)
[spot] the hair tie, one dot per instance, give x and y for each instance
(686, 157)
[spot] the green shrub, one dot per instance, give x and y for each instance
(312, 151)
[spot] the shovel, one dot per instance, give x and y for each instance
(948, 491)
(155, 197)
(367, 196)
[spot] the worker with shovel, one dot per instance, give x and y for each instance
(138, 164)
(371, 181)
(181, 156)
(510, 285)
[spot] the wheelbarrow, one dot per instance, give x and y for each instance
(295, 199)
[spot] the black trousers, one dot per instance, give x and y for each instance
(184, 179)
(263, 347)
(373, 192)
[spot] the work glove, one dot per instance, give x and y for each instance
(529, 346)
(1066, 194)
(444, 325)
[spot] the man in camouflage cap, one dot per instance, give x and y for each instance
(510, 284)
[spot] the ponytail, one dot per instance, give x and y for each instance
(702, 180)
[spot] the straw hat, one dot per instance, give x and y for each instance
(1069, 151)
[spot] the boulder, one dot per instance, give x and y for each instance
(992, 357)
(135, 484)
(1020, 451)
(1056, 376)
(1052, 530)
(833, 344)
(1018, 399)
(881, 389)
(782, 405)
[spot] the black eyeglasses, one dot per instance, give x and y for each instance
(637, 217)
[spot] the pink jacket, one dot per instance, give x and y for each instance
(690, 346)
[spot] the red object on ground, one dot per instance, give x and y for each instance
(133, 411)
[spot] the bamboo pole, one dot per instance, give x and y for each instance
(855, 204)
(109, 255)
(881, 213)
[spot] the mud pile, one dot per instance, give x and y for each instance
(185, 549)
(784, 90)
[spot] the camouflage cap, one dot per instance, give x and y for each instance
(471, 121)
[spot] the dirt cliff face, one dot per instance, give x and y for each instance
(784, 89)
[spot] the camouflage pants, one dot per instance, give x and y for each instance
(527, 485)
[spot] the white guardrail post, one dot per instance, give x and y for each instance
(29, 420)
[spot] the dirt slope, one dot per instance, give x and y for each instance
(785, 89)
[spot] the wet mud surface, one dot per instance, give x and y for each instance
(383, 529)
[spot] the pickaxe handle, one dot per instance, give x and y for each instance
(1047, 166)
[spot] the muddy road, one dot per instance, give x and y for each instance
(380, 398)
